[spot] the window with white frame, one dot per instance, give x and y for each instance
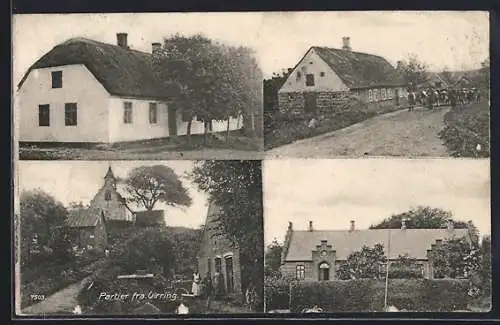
(384, 94)
(370, 95)
(389, 93)
(153, 113)
(300, 272)
(127, 112)
(375, 95)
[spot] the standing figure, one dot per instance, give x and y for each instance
(478, 96)
(208, 289)
(411, 101)
(195, 288)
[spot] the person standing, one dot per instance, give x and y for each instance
(208, 289)
(195, 288)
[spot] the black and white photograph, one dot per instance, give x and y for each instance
(377, 235)
(139, 238)
(137, 86)
(380, 83)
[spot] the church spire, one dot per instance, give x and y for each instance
(110, 177)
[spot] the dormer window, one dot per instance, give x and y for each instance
(309, 79)
(56, 79)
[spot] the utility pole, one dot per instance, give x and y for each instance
(387, 269)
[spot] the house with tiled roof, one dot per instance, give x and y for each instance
(86, 229)
(326, 77)
(315, 255)
(85, 91)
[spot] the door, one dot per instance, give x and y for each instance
(310, 105)
(229, 274)
(172, 121)
(324, 272)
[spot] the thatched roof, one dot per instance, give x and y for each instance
(360, 70)
(414, 242)
(122, 72)
(82, 218)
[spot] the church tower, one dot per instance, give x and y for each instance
(109, 179)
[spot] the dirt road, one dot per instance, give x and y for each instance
(401, 133)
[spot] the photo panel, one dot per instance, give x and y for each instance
(137, 86)
(378, 83)
(128, 238)
(377, 235)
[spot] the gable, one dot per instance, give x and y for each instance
(325, 78)
(212, 238)
(122, 72)
(414, 242)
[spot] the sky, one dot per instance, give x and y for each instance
(330, 193)
(458, 40)
(75, 181)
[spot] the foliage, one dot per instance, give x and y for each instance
(214, 81)
(367, 295)
(405, 267)
(272, 259)
(363, 264)
(147, 185)
(419, 218)
(464, 129)
(185, 247)
(449, 259)
(41, 215)
(271, 107)
(413, 71)
(150, 249)
(236, 187)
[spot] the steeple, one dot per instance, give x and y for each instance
(110, 178)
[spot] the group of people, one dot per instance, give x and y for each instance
(209, 287)
(431, 97)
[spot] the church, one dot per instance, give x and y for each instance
(88, 227)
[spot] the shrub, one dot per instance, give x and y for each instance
(367, 295)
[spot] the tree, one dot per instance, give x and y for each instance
(236, 187)
(41, 215)
(483, 75)
(363, 264)
(447, 75)
(185, 245)
(271, 88)
(405, 267)
(451, 258)
(147, 185)
(412, 70)
(272, 259)
(420, 218)
(215, 82)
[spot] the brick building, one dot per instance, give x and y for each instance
(326, 77)
(218, 253)
(315, 255)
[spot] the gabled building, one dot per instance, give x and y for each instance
(86, 228)
(218, 253)
(85, 91)
(326, 77)
(315, 255)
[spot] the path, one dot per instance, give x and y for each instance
(61, 302)
(400, 133)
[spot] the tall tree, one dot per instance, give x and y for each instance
(364, 264)
(41, 215)
(449, 258)
(272, 259)
(271, 109)
(413, 70)
(147, 185)
(420, 218)
(236, 186)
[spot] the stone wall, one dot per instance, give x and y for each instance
(292, 103)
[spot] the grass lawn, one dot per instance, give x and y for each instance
(239, 146)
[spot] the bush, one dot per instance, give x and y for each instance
(465, 128)
(367, 295)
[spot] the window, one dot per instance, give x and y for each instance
(383, 94)
(218, 265)
(370, 95)
(43, 115)
(127, 112)
(91, 236)
(107, 196)
(56, 79)
(153, 113)
(375, 95)
(300, 272)
(209, 265)
(70, 114)
(309, 79)
(322, 74)
(389, 93)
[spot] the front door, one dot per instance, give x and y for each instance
(229, 275)
(310, 105)
(324, 272)
(172, 121)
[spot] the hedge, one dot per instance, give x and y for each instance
(366, 295)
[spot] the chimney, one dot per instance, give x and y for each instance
(121, 40)
(290, 225)
(403, 223)
(156, 48)
(353, 225)
(449, 224)
(346, 43)
(310, 226)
